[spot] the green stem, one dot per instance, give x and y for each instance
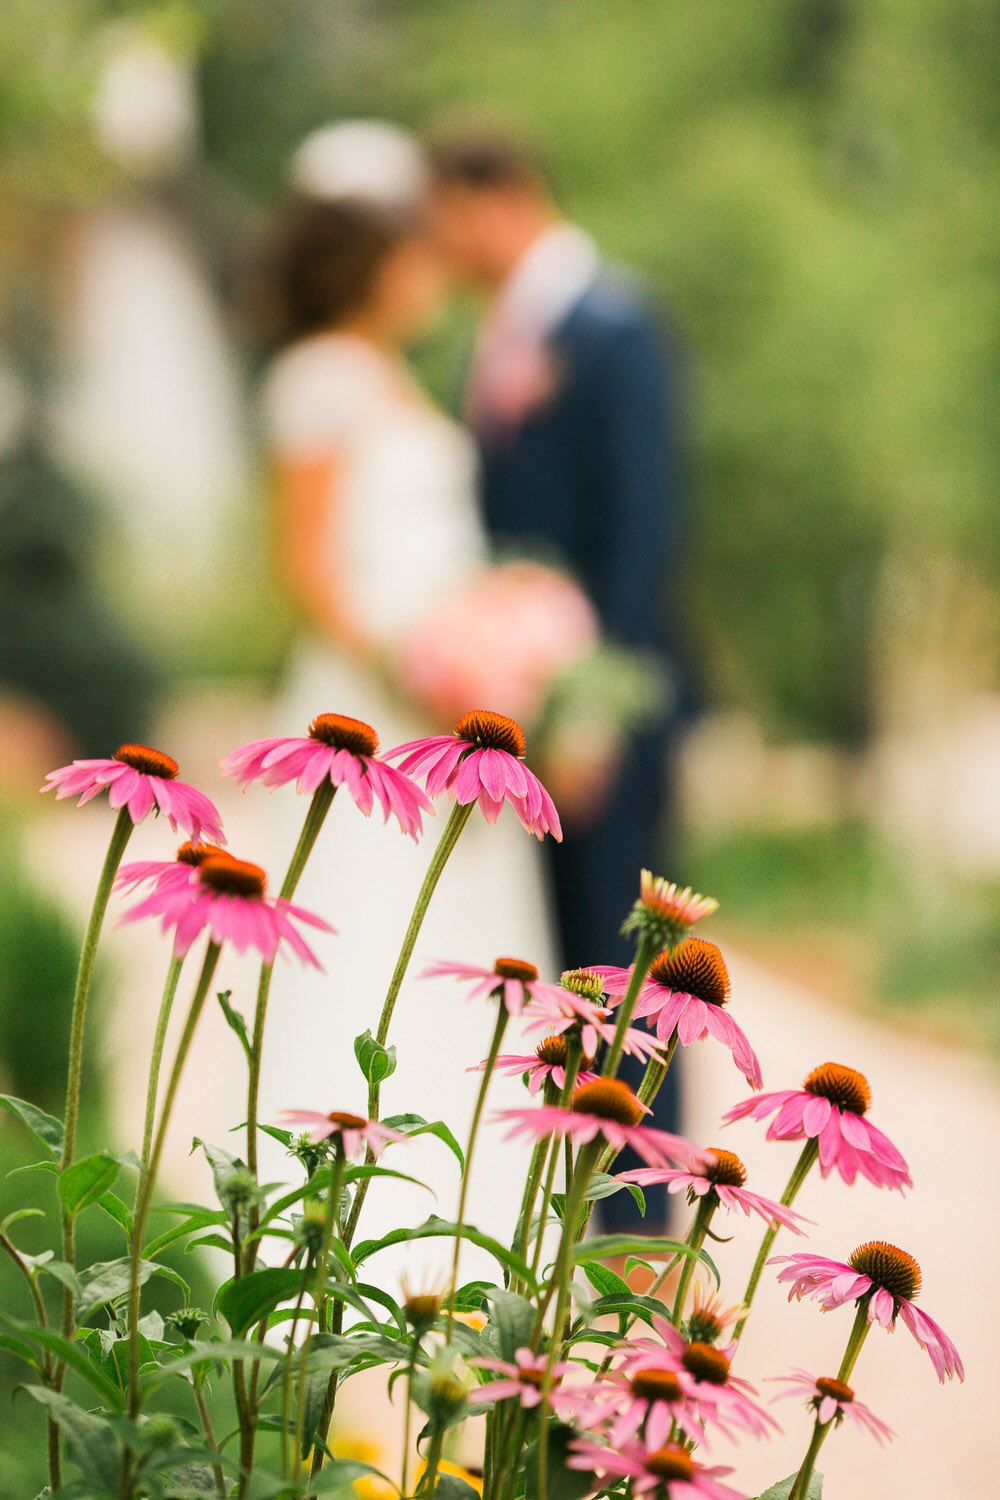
(801, 1170)
(460, 815)
(648, 1089)
(574, 1057)
(320, 805)
(120, 835)
(477, 1114)
(562, 1276)
(147, 1181)
(538, 1158)
(160, 1036)
(319, 1299)
(643, 959)
(859, 1332)
(428, 1480)
(696, 1238)
(206, 1422)
(407, 1408)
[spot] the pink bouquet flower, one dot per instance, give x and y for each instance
(503, 637)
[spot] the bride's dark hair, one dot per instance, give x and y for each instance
(325, 262)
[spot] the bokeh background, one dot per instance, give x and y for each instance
(811, 188)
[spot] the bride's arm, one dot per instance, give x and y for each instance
(306, 493)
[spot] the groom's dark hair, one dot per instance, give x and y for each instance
(485, 161)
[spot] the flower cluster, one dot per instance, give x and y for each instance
(632, 1409)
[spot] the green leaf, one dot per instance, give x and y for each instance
(450, 1487)
(223, 1166)
(606, 1281)
(513, 1318)
(375, 1061)
(646, 1308)
(21, 1213)
(107, 1280)
(563, 1483)
(92, 1444)
(245, 1300)
(21, 1349)
(609, 1246)
(85, 1181)
(195, 1221)
(45, 1128)
(210, 1351)
(72, 1353)
(434, 1228)
(235, 1020)
(603, 1186)
(417, 1125)
(341, 1473)
(783, 1488)
(117, 1210)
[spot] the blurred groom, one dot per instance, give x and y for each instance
(570, 396)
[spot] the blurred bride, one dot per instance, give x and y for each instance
(375, 522)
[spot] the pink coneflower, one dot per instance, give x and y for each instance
(227, 897)
(141, 780)
(832, 1400)
(165, 874)
(354, 1131)
(517, 980)
(547, 1061)
(665, 913)
(723, 1174)
(829, 1108)
(888, 1278)
(687, 990)
(561, 1009)
(524, 1381)
(607, 1108)
(342, 751)
(724, 1399)
(650, 1399)
(667, 1471)
(483, 761)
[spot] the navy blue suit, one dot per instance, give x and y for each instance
(592, 473)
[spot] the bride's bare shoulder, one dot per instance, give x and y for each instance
(319, 388)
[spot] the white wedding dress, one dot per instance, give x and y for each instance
(403, 530)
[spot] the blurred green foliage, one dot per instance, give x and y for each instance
(846, 914)
(811, 187)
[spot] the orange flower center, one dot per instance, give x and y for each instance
(234, 877)
(656, 1385)
(346, 1122)
(845, 1087)
(706, 1363)
(531, 1377)
(888, 1267)
(725, 1168)
(695, 968)
(196, 854)
(149, 762)
(343, 733)
(827, 1386)
(608, 1099)
(490, 731)
(553, 1051)
(515, 968)
(671, 1462)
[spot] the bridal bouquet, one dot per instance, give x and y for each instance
(588, 1388)
(525, 636)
